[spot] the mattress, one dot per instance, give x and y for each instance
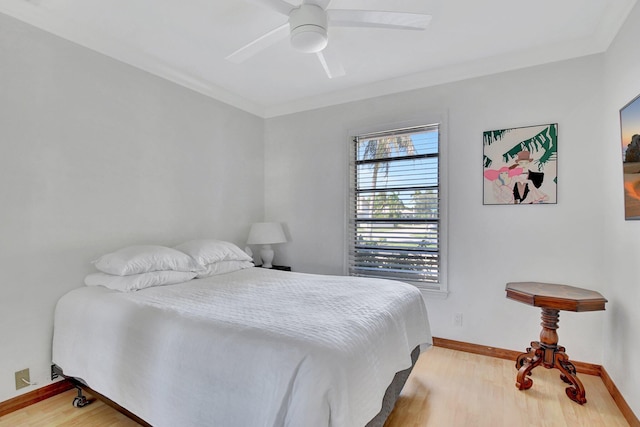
(254, 347)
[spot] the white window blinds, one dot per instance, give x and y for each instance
(395, 205)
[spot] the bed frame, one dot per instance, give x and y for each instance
(393, 391)
(81, 400)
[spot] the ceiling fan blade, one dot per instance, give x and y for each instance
(261, 43)
(378, 19)
(324, 4)
(279, 6)
(331, 63)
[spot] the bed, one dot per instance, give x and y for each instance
(248, 347)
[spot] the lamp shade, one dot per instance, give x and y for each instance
(266, 233)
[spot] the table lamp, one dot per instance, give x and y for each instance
(266, 234)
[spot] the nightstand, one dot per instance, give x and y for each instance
(278, 267)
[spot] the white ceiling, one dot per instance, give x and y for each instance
(187, 41)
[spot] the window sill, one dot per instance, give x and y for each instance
(433, 293)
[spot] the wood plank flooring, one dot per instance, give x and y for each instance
(449, 388)
(58, 411)
(446, 389)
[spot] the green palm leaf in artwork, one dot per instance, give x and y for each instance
(487, 161)
(489, 137)
(545, 141)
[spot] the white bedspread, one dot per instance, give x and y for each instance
(251, 348)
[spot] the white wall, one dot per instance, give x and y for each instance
(621, 238)
(306, 181)
(95, 155)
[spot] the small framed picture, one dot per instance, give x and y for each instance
(520, 165)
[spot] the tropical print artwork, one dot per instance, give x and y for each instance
(630, 131)
(520, 165)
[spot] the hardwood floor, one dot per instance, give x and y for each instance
(446, 389)
(58, 411)
(449, 388)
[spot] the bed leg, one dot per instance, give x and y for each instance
(80, 400)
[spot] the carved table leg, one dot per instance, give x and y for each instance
(526, 357)
(525, 363)
(575, 393)
(549, 354)
(568, 366)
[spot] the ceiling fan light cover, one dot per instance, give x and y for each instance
(309, 38)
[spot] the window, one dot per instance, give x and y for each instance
(395, 227)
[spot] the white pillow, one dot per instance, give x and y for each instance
(222, 267)
(209, 251)
(143, 259)
(136, 282)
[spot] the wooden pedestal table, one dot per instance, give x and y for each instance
(546, 352)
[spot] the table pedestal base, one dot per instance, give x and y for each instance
(549, 354)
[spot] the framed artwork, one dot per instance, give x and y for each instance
(630, 132)
(520, 165)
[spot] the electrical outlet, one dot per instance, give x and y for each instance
(22, 379)
(457, 320)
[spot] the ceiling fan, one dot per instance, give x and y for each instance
(308, 27)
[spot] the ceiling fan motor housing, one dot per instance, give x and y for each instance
(308, 24)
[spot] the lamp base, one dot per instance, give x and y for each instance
(266, 254)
